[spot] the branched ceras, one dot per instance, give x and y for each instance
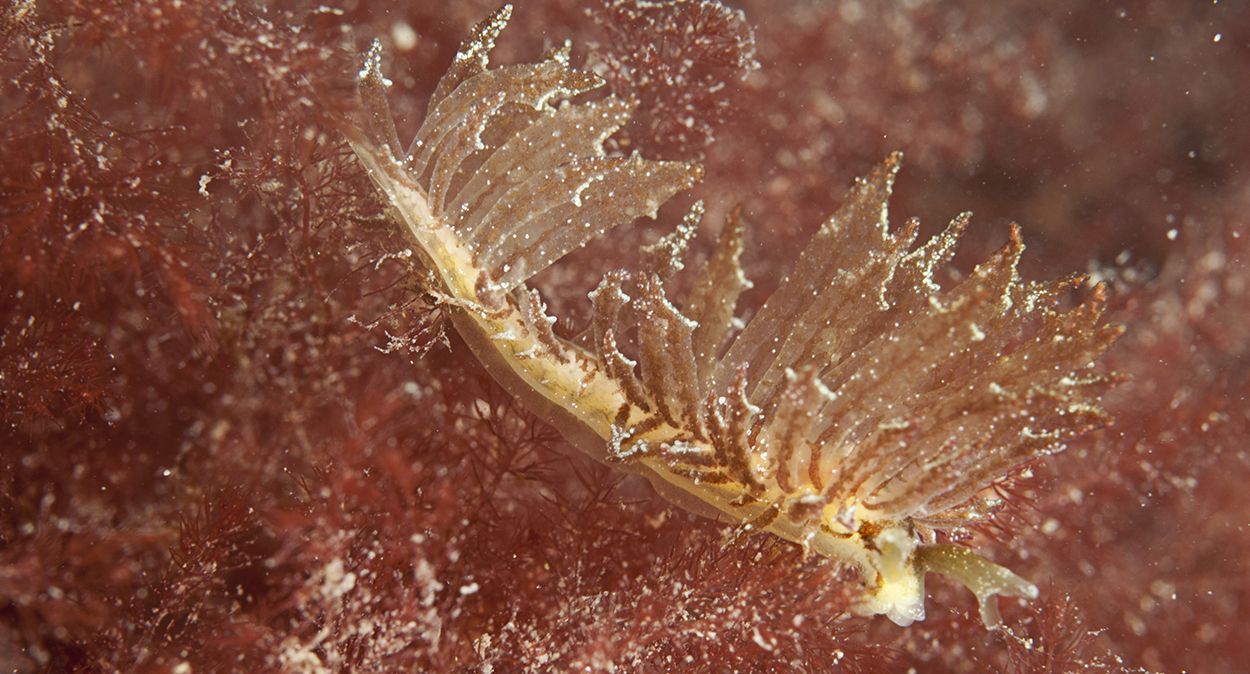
(863, 408)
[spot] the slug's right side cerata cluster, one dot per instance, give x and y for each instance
(863, 409)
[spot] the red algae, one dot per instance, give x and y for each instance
(238, 434)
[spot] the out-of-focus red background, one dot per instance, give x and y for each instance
(236, 438)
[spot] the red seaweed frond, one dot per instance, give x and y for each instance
(680, 60)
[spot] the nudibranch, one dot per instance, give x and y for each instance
(861, 411)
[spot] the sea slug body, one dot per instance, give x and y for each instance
(860, 411)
